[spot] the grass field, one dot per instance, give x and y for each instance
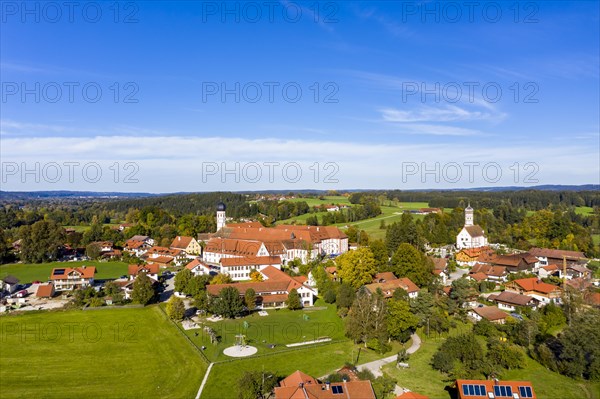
(109, 353)
(328, 200)
(584, 210)
(81, 229)
(422, 378)
(316, 361)
(280, 327)
(28, 272)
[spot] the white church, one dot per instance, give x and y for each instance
(471, 235)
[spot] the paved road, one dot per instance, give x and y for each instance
(169, 289)
(375, 366)
(457, 274)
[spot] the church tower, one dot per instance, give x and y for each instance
(220, 216)
(468, 215)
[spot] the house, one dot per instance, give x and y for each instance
(72, 278)
(299, 385)
(144, 239)
(162, 261)
(9, 284)
(165, 256)
(471, 235)
(332, 272)
(239, 269)
(427, 211)
(332, 208)
(136, 247)
(469, 256)
(273, 291)
(104, 246)
(151, 271)
(388, 283)
(490, 313)
(492, 273)
(508, 300)
(198, 268)
(124, 226)
(514, 262)
(189, 245)
(543, 292)
(440, 268)
(547, 256)
(494, 389)
(45, 291)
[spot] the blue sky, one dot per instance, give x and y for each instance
(370, 125)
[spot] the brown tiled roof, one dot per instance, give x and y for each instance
(474, 231)
(245, 224)
(134, 270)
(276, 281)
(233, 246)
(85, 272)
(134, 244)
(490, 313)
(511, 298)
(164, 251)
(195, 263)
(556, 253)
(164, 260)
(439, 263)
(489, 270)
(383, 277)
(181, 242)
(479, 276)
(45, 290)
(391, 285)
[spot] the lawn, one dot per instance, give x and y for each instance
(108, 353)
(280, 327)
(584, 210)
(316, 361)
(28, 272)
(81, 229)
(328, 200)
(422, 378)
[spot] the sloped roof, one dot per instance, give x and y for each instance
(556, 253)
(490, 313)
(512, 298)
(45, 290)
(181, 242)
(85, 272)
(134, 270)
(474, 230)
(533, 284)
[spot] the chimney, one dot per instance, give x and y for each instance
(327, 385)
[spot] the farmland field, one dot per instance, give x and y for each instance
(108, 353)
(28, 272)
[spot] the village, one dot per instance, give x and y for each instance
(262, 267)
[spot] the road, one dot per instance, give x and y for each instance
(375, 366)
(169, 289)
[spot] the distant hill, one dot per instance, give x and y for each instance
(29, 195)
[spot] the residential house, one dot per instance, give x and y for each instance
(543, 292)
(469, 256)
(273, 291)
(72, 278)
(151, 271)
(494, 389)
(45, 291)
(10, 284)
(440, 269)
(145, 239)
(496, 274)
(199, 268)
(166, 256)
(302, 386)
(510, 301)
(189, 245)
(388, 283)
(547, 256)
(514, 262)
(136, 247)
(332, 208)
(332, 272)
(490, 313)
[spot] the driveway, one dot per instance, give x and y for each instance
(457, 275)
(169, 289)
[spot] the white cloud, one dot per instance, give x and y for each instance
(448, 113)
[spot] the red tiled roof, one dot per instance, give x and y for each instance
(479, 276)
(181, 242)
(533, 284)
(302, 386)
(86, 272)
(488, 270)
(195, 263)
(383, 277)
(134, 270)
(556, 253)
(45, 291)
(489, 387)
(163, 260)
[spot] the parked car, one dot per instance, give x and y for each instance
(517, 316)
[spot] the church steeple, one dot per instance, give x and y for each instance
(221, 219)
(469, 215)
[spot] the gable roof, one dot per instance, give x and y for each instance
(10, 279)
(192, 265)
(511, 298)
(389, 286)
(45, 290)
(533, 284)
(490, 313)
(134, 270)
(250, 261)
(489, 388)
(62, 273)
(474, 230)
(556, 253)
(488, 270)
(181, 242)
(302, 386)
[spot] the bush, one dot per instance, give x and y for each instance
(329, 296)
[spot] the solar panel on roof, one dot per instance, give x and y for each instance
(337, 389)
(525, 392)
(59, 271)
(477, 391)
(465, 389)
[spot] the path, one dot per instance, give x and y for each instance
(375, 366)
(204, 380)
